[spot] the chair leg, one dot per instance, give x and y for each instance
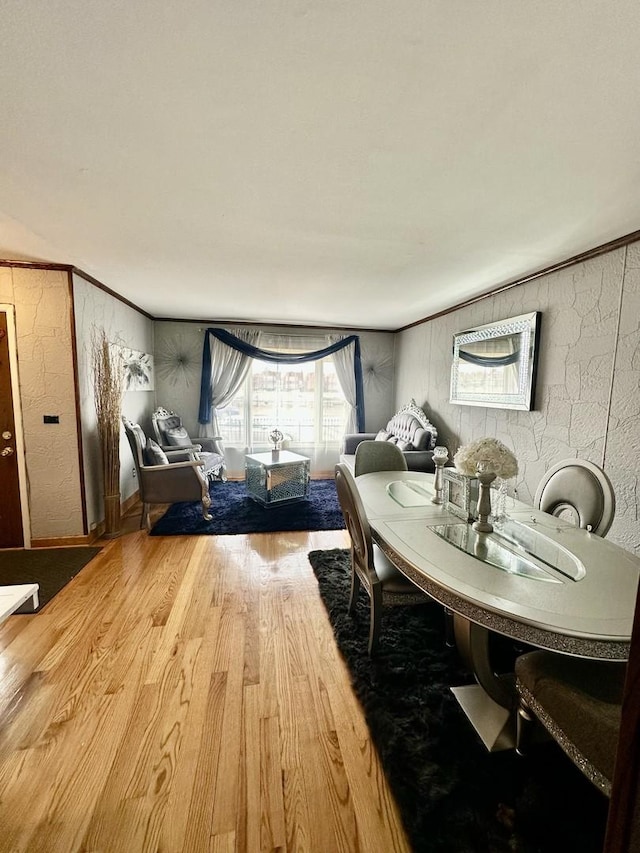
(525, 725)
(355, 589)
(145, 518)
(375, 619)
(206, 503)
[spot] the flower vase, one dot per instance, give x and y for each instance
(483, 525)
(111, 516)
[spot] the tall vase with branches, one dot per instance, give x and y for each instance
(108, 389)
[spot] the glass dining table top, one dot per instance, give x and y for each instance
(515, 548)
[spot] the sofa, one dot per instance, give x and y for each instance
(410, 429)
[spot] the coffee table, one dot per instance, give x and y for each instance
(277, 477)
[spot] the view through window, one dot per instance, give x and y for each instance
(304, 401)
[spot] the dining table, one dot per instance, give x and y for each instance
(537, 579)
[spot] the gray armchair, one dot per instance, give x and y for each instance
(172, 435)
(165, 477)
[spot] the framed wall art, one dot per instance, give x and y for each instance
(138, 371)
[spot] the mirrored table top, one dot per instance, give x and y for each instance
(515, 548)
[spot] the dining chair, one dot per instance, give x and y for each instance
(579, 703)
(580, 492)
(370, 568)
(374, 455)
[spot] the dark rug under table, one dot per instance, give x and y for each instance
(453, 795)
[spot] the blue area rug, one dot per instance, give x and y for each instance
(235, 512)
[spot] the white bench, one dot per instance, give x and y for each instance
(13, 598)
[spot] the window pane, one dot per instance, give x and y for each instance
(305, 401)
(334, 406)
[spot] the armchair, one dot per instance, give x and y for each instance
(165, 477)
(172, 435)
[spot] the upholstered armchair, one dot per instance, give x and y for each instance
(165, 477)
(171, 435)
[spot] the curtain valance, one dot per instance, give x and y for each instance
(490, 360)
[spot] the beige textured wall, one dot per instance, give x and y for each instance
(588, 388)
(46, 381)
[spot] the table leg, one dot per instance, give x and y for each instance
(490, 704)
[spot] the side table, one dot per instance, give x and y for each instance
(277, 477)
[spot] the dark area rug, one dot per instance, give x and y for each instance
(51, 568)
(235, 512)
(453, 795)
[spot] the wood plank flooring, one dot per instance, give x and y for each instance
(186, 694)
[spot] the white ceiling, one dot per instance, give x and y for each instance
(359, 163)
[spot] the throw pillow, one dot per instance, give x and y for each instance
(178, 437)
(383, 435)
(154, 454)
(405, 445)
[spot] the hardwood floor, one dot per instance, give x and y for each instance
(186, 694)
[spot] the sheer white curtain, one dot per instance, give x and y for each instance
(228, 371)
(344, 361)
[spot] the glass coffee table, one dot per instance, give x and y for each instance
(277, 477)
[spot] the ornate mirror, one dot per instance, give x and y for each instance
(495, 365)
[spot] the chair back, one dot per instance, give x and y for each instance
(355, 518)
(578, 491)
(168, 428)
(378, 456)
(137, 442)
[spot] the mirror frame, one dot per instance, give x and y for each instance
(527, 326)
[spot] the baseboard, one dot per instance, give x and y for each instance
(64, 541)
(129, 503)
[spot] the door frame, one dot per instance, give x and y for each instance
(9, 310)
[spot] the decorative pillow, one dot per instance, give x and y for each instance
(178, 437)
(154, 454)
(383, 435)
(405, 445)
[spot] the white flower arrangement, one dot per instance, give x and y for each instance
(486, 454)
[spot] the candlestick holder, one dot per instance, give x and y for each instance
(485, 478)
(440, 456)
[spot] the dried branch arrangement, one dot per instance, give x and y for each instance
(108, 389)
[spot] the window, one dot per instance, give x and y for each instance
(304, 401)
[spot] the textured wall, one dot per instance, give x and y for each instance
(95, 309)
(587, 395)
(46, 382)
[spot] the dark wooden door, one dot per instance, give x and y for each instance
(10, 509)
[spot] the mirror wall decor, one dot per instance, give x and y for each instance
(495, 365)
